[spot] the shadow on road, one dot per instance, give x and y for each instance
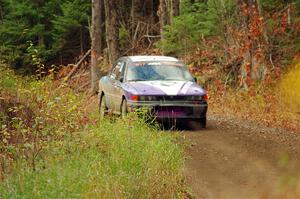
(184, 125)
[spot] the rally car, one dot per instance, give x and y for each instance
(160, 83)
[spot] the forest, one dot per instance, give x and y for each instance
(245, 53)
(245, 40)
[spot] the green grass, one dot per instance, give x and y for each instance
(121, 159)
(68, 153)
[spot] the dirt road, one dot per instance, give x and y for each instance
(236, 160)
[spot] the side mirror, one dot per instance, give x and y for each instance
(195, 79)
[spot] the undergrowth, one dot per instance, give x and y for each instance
(106, 160)
(54, 146)
(290, 89)
(275, 104)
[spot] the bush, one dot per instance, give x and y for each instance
(125, 159)
(66, 152)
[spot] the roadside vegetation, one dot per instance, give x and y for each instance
(274, 104)
(241, 51)
(53, 145)
(245, 53)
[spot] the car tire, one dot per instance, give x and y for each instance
(202, 122)
(124, 108)
(102, 107)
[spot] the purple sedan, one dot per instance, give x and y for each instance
(162, 84)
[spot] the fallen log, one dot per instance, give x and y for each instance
(76, 66)
(83, 86)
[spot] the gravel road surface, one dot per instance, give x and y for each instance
(238, 160)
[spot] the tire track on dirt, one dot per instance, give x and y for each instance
(227, 161)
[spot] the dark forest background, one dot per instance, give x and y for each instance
(243, 39)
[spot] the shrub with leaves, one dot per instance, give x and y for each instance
(64, 151)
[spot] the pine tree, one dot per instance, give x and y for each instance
(48, 25)
(71, 29)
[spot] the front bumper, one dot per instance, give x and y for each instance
(172, 109)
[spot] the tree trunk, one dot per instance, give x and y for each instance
(253, 44)
(112, 29)
(243, 22)
(175, 8)
(81, 40)
(136, 16)
(96, 46)
(163, 16)
(136, 10)
(258, 63)
(1, 13)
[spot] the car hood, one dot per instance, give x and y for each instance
(164, 88)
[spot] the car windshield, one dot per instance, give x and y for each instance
(151, 71)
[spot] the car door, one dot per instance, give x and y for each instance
(114, 90)
(117, 86)
(110, 88)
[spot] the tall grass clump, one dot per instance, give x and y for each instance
(290, 88)
(52, 145)
(121, 159)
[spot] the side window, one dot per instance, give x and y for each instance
(118, 71)
(120, 77)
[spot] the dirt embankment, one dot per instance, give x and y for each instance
(238, 160)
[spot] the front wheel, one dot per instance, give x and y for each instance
(124, 108)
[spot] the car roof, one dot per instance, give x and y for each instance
(140, 58)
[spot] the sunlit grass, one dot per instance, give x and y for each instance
(121, 159)
(67, 152)
(290, 89)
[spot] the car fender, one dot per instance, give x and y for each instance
(102, 83)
